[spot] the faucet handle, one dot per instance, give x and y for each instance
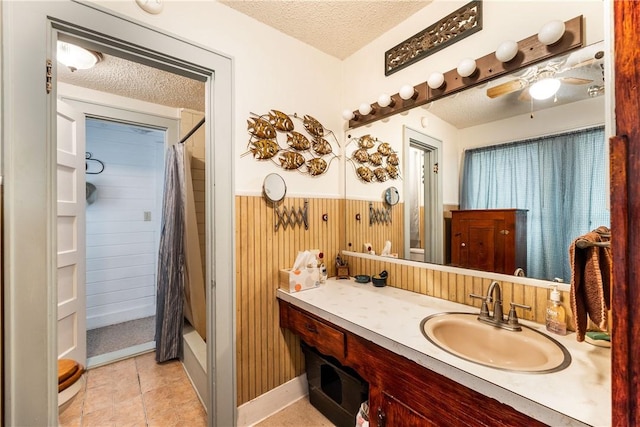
(484, 309)
(513, 317)
(514, 304)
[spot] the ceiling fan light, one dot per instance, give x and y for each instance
(507, 50)
(544, 89)
(551, 32)
(76, 57)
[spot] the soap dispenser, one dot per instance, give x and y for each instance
(556, 317)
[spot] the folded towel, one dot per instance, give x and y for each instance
(590, 281)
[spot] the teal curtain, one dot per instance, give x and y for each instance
(560, 180)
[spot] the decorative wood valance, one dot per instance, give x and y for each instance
(450, 29)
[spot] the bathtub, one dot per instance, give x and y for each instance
(194, 360)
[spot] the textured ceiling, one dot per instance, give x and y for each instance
(133, 80)
(473, 107)
(336, 27)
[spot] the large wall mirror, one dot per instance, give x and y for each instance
(431, 142)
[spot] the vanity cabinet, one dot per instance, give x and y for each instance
(326, 338)
(402, 392)
(489, 240)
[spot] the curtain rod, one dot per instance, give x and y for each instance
(192, 131)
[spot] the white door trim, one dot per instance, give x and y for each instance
(433, 187)
(28, 128)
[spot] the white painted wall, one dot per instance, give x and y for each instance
(364, 80)
(271, 71)
(574, 116)
(122, 247)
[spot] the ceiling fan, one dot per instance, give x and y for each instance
(538, 75)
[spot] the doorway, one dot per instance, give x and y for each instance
(125, 146)
(423, 213)
(124, 169)
(31, 330)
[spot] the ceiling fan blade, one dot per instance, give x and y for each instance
(575, 80)
(505, 88)
(596, 58)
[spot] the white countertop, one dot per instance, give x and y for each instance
(390, 317)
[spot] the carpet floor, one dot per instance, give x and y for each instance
(119, 336)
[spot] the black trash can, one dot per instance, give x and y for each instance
(336, 391)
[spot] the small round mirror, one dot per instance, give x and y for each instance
(274, 187)
(391, 196)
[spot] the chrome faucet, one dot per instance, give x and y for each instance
(497, 319)
(494, 287)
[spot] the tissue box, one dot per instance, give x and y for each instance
(299, 280)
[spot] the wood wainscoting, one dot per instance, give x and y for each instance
(268, 356)
(423, 279)
(359, 231)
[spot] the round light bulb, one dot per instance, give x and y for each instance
(364, 109)
(507, 50)
(384, 100)
(466, 67)
(551, 32)
(348, 115)
(435, 80)
(544, 89)
(407, 92)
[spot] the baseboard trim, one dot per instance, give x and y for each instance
(269, 403)
(125, 353)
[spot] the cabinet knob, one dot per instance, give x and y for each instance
(463, 244)
(505, 232)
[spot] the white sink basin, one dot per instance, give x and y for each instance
(462, 335)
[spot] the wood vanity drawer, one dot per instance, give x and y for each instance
(327, 339)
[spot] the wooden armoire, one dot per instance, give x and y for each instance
(489, 239)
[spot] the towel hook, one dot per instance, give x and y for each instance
(88, 157)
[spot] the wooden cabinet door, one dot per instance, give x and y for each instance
(480, 244)
(396, 413)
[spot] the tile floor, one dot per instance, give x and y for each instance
(136, 392)
(140, 392)
(298, 414)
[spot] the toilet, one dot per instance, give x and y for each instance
(70, 382)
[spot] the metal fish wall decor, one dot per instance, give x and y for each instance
(306, 149)
(374, 160)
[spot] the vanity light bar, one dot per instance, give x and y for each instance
(531, 51)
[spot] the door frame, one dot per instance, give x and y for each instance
(28, 131)
(433, 215)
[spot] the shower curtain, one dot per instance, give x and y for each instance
(169, 299)
(181, 291)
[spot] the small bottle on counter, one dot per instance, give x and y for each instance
(556, 316)
(323, 273)
(322, 267)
